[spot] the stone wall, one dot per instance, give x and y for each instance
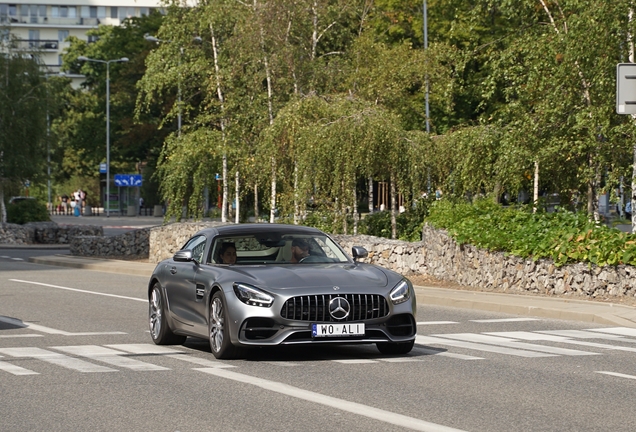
(167, 239)
(131, 244)
(45, 233)
(438, 255)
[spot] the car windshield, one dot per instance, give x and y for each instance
(275, 248)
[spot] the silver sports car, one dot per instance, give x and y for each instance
(267, 284)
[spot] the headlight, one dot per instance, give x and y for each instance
(252, 296)
(401, 292)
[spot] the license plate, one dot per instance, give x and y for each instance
(333, 330)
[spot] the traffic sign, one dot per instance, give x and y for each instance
(102, 168)
(128, 180)
(626, 88)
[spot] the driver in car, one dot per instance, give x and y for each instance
(300, 250)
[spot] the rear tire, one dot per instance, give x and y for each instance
(160, 331)
(390, 348)
(218, 330)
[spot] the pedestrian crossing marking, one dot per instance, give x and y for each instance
(430, 351)
(505, 342)
(505, 320)
(623, 331)
(355, 361)
(436, 322)
(20, 336)
(16, 370)
(529, 336)
(616, 374)
(109, 356)
(199, 361)
(428, 340)
(144, 349)
(55, 358)
(582, 334)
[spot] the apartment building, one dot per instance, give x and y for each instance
(42, 26)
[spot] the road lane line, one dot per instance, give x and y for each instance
(598, 345)
(428, 340)
(55, 358)
(340, 404)
(504, 320)
(500, 341)
(109, 356)
(16, 370)
(355, 361)
(79, 290)
(529, 336)
(616, 374)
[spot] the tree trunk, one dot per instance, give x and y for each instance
(222, 101)
(3, 209)
(393, 207)
(632, 197)
(296, 204)
(355, 210)
(535, 192)
(370, 194)
(237, 195)
(255, 202)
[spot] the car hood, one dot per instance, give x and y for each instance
(311, 276)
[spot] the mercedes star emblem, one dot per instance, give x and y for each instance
(339, 308)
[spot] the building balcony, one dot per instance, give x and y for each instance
(45, 45)
(30, 21)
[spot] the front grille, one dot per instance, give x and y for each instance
(316, 307)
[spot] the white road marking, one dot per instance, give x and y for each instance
(332, 402)
(5, 256)
(199, 361)
(429, 351)
(282, 363)
(500, 341)
(109, 356)
(16, 370)
(400, 359)
(20, 336)
(504, 320)
(428, 340)
(49, 330)
(616, 374)
(623, 331)
(144, 349)
(17, 259)
(436, 322)
(79, 290)
(55, 358)
(355, 361)
(582, 334)
(598, 345)
(530, 336)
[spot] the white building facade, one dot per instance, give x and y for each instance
(43, 26)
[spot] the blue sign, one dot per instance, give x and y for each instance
(127, 180)
(102, 168)
(217, 176)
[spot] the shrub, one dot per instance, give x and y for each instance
(562, 236)
(29, 210)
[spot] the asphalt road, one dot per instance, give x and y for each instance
(85, 361)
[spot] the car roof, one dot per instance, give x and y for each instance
(255, 228)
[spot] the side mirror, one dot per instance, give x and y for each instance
(359, 252)
(183, 255)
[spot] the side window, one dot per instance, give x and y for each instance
(197, 245)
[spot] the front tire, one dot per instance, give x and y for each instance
(219, 331)
(398, 348)
(160, 331)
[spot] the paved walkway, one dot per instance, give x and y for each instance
(544, 307)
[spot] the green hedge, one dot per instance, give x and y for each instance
(29, 210)
(562, 236)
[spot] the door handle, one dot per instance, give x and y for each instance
(173, 270)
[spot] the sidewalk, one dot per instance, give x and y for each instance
(543, 307)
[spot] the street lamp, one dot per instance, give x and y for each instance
(107, 63)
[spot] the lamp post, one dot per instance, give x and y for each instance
(107, 63)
